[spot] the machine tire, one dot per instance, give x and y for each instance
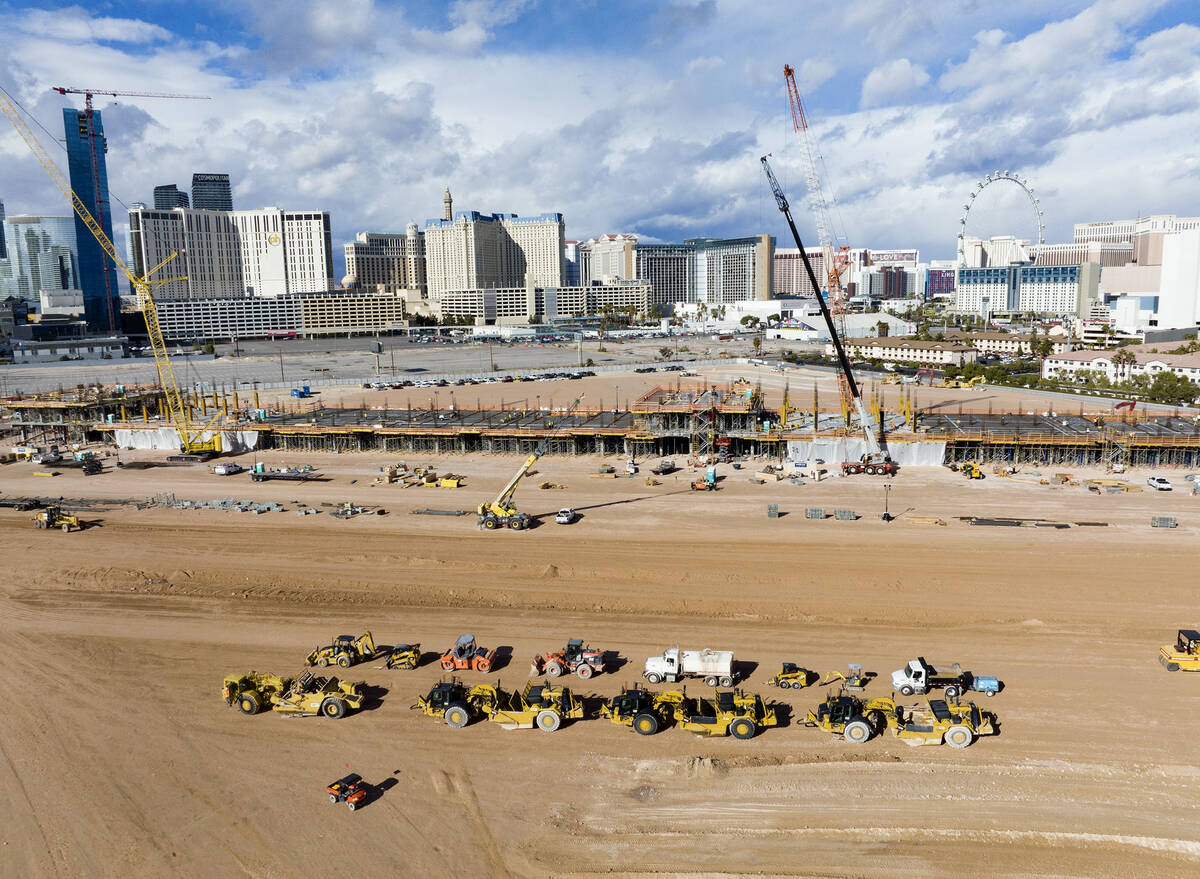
(39, 524)
(483, 664)
(322, 661)
(959, 737)
(490, 524)
(447, 665)
(584, 671)
(66, 528)
(653, 678)
(857, 732)
(333, 708)
(248, 704)
(951, 692)
(351, 806)
(710, 681)
(457, 715)
(548, 721)
(646, 723)
(742, 728)
(870, 471)
(343, 661)
(553, 669)
(727, 681)
(333, 798)
(906, 690)
(784, 685)
(516, 525)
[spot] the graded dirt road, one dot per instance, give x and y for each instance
(118, 757)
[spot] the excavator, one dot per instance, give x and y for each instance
(876, 460)
(500, 512)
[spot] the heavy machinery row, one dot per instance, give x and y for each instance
(546, 705)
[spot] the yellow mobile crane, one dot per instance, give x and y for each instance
(191, 442)
(500, 512)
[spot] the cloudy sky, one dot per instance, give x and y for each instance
(629, 115)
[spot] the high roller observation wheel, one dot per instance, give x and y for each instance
(980, 186)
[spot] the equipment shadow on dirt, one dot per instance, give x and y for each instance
(376, 791)
(628, 500)
(743, 668)
(614, 661)
(501, 658)
(783, 713)
(372, 696)
(427, 657)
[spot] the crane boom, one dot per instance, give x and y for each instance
(868, 425)
(68, 90)
(177, 412)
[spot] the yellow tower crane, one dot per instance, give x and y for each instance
(191, 441)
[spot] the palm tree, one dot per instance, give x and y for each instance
(1123, 360)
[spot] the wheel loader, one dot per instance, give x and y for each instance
(252, 692)
(938, 721)
(726, 712)
(855, 720)
(794, 677)
(54, 517)
(575, 657)
(465, 655)
(644, 711)
(345, 651)
(405, 656)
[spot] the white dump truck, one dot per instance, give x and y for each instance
(920, 676)
(715, 666)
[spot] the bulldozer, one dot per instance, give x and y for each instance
(938, 721)
(542, 705)
(855, 720)
(464, 655)
(792, 676)
(54, 517)
(1184, 655)
(575, 657)
(643, 711)
(404, 656)
(726, 712)
(345, 651)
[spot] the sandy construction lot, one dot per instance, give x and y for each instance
(120, 759)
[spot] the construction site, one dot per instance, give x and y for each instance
(238, 612)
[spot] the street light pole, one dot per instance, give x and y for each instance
(887, 488)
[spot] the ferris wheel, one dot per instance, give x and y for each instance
(980, 185)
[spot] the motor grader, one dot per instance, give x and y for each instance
(404, 656)
(644, 711)
(345, 651)
(956, 724)
(54, 517)
(542, 705)
(726, 712)
(304, 696)
(575, 657)
(794, 677)
(855, 720)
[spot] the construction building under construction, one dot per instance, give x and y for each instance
(698, 421)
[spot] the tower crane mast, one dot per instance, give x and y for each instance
(835, 262)
(177, 410)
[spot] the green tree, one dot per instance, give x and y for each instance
(757, 341)
(1172, 389)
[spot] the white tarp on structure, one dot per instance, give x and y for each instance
(167, 438)
(837, 450)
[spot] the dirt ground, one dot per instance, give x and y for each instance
(120, 759)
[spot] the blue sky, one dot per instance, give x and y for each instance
(633, 116)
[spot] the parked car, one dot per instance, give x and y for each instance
(565, 516)
(1159, 483)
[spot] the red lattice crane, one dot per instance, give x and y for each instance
(110, 293)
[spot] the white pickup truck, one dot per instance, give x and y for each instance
(227, 469)
(715, 666)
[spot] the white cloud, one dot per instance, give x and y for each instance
(74, 24)
(896, 79)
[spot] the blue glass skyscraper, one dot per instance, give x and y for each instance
(89, 179)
